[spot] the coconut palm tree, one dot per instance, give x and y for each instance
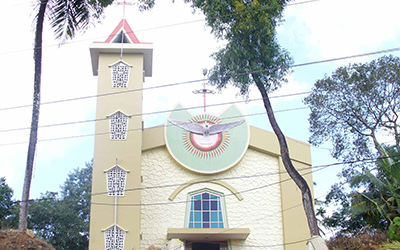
(66, 18)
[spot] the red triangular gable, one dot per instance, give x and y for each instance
(123, 25)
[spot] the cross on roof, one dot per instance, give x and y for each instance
(204, 91)
(124, 3)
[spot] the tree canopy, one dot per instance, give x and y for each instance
(63, 219)
(354, 106)
(6, 203)
(252, 51)
(372, 199)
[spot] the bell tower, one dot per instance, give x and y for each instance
(121, 64)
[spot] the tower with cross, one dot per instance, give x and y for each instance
(121, 63)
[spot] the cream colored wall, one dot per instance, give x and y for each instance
(295, 226)
(294, 222)
(260, 209)
(128, 153)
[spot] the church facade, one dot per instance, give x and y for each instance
(199, 181)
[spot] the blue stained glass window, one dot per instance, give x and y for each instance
(206, 205)
(214, 216)
(197, 205)
(214, 205)
(205, 211)
(197, 216)
(206, 216)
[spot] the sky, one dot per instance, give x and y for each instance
(312, 31)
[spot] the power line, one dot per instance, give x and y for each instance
(314, 169)
(138, 129)
(232, 75)
(152, 28)
(205, 181)
(18, 4)
(163, 111)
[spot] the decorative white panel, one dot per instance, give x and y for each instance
(115, 238)
(120, 74)
(116, 180)
(118, 126)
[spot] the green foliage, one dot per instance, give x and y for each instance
(394, 229)
(372, 199)
(391, 246)
(354, 105)
(7, 205)
(249, 29)
(63, 220)
(69, 16)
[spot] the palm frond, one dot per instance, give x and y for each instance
(70, 16)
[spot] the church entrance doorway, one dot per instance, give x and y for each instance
(207, 246)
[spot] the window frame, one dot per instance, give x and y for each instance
(128, 68)
(221, 197)
(112, 132)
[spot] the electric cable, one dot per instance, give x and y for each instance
(232, 75)
(138, 129)
(159, 112)
(18, 4)
(318, 168)
(313, 170)
(155, 28)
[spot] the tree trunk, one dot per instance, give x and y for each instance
(287, 162)
(37, 56)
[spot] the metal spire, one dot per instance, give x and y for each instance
(204, 91)
(124, 3)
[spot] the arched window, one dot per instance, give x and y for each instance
(118, 125)
(205, 210)
(120, 74)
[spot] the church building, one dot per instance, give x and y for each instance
(199, 181)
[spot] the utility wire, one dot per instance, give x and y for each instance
(153, 28)
(195, 81)
(19, 4)
(205, 181)
(162, 111)
(140, 129)
(314, 169)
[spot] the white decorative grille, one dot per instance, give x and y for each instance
(120, 75)
(116, 180)
(118, 126)
(115, 238)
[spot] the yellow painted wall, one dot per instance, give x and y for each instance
(107, 151)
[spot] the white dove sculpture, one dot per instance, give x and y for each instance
(206, 129)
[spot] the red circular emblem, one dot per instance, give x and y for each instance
(206, 146)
